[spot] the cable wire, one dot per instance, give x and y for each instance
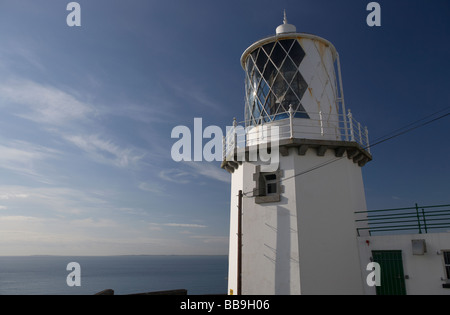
(383, 139)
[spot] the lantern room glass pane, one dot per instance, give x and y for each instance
(288, 69)
(289, 99)
(249, 65)
(268, 48)
(254, 55)
(274, 82)
(261, 61)
(270, 71)
(299, 85)
(297, 53)
(287, 44)
(279, 86)
(278, 55)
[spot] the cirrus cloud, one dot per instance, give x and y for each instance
(42, 103)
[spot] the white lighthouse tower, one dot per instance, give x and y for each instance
(292, 228)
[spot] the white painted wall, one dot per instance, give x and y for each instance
(326, 200)
(270, 248)
(306, 243)
(236, 185)
(424, 271)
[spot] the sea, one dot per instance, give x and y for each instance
(48, 275)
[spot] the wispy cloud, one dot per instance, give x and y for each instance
(41, 103)
(211, 239)
(94, 223)
(105, 151)
(53, 200)
(175, 176)
(193, 172)
(209, 170)
(180, 225)
(27, 55)
(157, 110)
(151, 187)
(24, 157)
(18, 53)
(21, 218)
(194, 94)
(185, 225)
(12, 195)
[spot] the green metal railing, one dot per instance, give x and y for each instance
(418, 219)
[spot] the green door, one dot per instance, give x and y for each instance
(392, 276)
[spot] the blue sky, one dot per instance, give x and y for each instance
(86, 114)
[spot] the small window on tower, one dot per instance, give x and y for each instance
(271, 184)
(268, 186)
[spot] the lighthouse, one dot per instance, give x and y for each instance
(292, 225)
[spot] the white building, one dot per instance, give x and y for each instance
(297, 233)
(416, 259)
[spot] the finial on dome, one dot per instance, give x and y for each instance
(286, 27)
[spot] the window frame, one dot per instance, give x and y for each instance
(271, 182)
(260, 192)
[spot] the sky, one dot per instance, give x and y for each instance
(86, 114)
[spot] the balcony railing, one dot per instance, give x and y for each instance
(413, 220)
(319, 126)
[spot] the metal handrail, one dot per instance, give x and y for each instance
(420, 219)
(342, 127)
